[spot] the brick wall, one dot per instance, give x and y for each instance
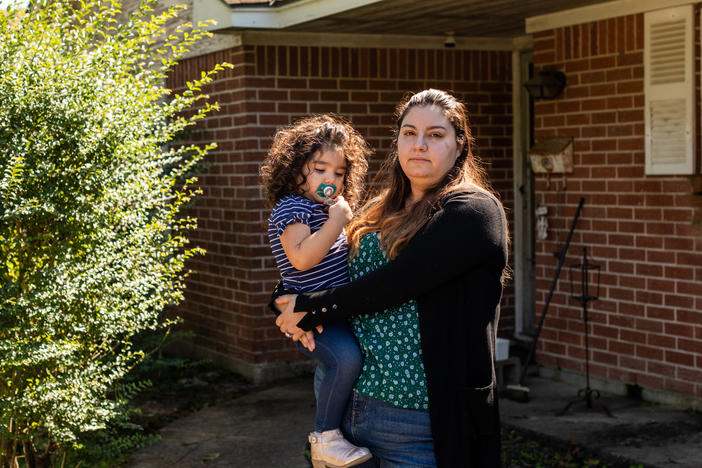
(270, 87)
(646, 329)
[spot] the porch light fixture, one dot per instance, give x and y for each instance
(547, 84)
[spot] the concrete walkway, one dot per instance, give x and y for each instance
(264, 429)
(267, 429)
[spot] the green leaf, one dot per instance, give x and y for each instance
(211, 457)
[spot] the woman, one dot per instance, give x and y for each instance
(429, 254)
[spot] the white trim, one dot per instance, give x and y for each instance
(389, 41)
(597, 12)
(522, 42)
(213, 44)
(217, 10)
(293, 13)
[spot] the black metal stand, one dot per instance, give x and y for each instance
(586, 395)
(522, 390)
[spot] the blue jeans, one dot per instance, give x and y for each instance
(338, 352)
(397, 437)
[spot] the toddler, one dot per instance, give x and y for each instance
(313, 176)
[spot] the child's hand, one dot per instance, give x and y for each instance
(340, 211)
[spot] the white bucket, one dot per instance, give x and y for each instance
(502, 349)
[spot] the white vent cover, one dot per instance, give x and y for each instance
(669, 89)
(667, 52)
(668, 131)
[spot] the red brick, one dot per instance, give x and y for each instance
(626, 87)
(629, 172)
(594, 131)
(603, 117)
(633, 115)
(692, 375)
(631, 144)
(689, 316)
(683, 359)
(627, 59)
(593, 77)
(650, 353)
(675, 300)
(659, 368)
(605, 145)
(298, 83)
(323, 83)
(271, 95)
(646, 380)
(632, 363)
(619, 130)
(660, 313)
(651, 242)
(605, 358)
(576, 92)
(630, 200)
(684, 258)
(594, 104)
(568, 106)
(633, 337)
(619, 102)
(689, 345)
(602, 62)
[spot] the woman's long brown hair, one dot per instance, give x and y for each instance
(388, 212)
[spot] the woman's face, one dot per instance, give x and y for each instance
(426, 147)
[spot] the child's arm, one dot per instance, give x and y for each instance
(305, 250)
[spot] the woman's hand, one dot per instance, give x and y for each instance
(288, 319)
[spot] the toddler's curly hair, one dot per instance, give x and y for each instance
(293, 145)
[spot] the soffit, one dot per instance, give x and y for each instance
(469, 18)
(257, 3)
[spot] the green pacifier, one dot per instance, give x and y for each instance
(326, 191)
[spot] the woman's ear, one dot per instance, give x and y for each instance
(460, 145)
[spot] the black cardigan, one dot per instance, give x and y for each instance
(453, 267)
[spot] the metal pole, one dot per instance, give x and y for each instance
(584, 281)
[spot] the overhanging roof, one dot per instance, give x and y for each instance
(464, 18)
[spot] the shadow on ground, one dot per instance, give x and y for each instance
(213, 418)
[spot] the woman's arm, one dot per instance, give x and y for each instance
(468, 232)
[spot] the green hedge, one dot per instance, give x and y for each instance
(92, 245)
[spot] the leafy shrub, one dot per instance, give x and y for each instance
(92, 238)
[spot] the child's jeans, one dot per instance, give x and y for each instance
(337, 350)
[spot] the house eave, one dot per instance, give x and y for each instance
(273, 17)
(389, 41)
(597, 12)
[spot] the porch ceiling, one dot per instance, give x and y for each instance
(469, 18)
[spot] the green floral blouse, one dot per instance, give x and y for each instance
(392, 355)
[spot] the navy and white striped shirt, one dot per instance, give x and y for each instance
(331, 271)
